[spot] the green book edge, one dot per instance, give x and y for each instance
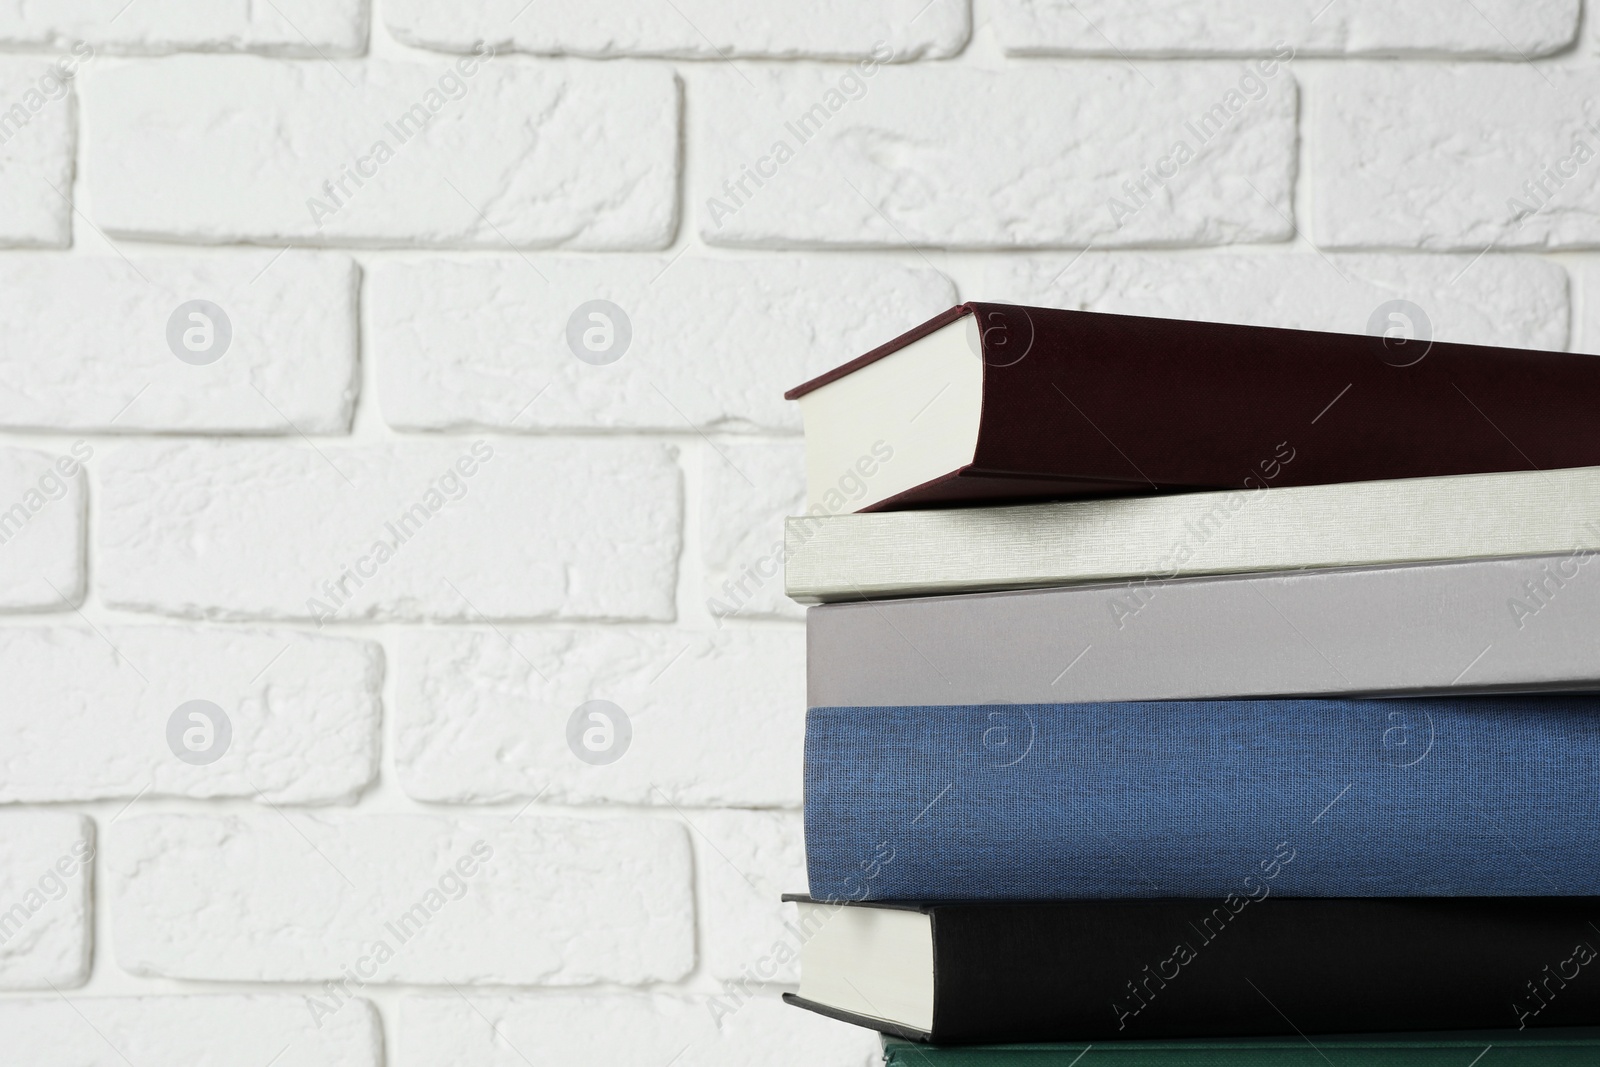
(1500, 1048)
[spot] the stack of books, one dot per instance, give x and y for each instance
(1186, 693)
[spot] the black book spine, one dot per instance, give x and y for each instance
(1099, 970)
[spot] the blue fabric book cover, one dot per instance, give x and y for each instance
(1486, 796)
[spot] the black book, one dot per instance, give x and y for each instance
(1169, 968)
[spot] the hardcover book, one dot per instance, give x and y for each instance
(1490, 1048)
(1506, 624)
(993, 402)
(1457, 796)
(1574, 1047)
(1247, 964)
(1415, 520)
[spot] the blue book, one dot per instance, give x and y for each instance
(1460, 796)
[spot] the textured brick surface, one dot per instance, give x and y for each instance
(470, 344)
(736, 1030)
(46, 877)
(1494, 300)
(41, 527)
(979, 159)
(212, 150)
(1456, 157)
(280, 27)
(119, 1031)
(1514, 29)
(418, 899)
(749, 489)
(694, 29)
(744, 862)
(462, 531)
(86, 343)
(37, 131)
(716, 719)
(87, 714)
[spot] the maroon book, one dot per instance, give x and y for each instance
(994, 403)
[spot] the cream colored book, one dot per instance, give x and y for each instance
(1353, 524)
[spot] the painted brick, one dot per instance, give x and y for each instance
(1450, 157)
(1034, 156)
(744, 862)
(311, 28)
(468, 344)
(728, 1031)
(458, 531)
(42, 527)
(88, 711)
(1517, 301)
(1514, 29)
(689, 29)
(401, 898)
(214, 150)
(37, 142)
(46, 900)
(748, 491)
(86, 343)
(148, 1031)
(716, 718)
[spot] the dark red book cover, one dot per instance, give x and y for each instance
(1079, 403)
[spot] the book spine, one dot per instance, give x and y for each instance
(1528, 623)
(1236, 800)
(1175, 968)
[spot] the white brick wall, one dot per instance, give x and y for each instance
(94, 1031)
(534, 900)
(472, 343)
(282, 27)
(1510, 29)
(46, 863)
(37, 131)
(692, 29)
(716, 718)
(464, 151)
(1026, 157)
(459, 531)
(87, 713)
(85, 344)
(317, 556)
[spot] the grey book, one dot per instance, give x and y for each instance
(1354, 524)
(1528, 624)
